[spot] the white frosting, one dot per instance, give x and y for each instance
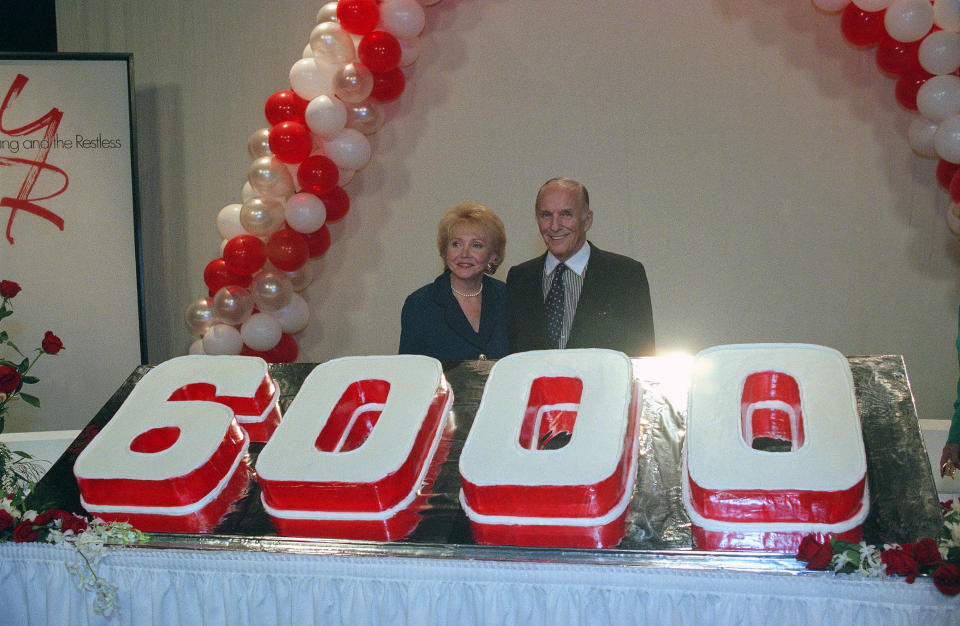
(591, 522)
(256, 419)
(187, 509)
(202, 424)
(832, 457)
(597, 443)
(291, 454)
(367, 515)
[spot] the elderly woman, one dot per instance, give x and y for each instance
(462, 314)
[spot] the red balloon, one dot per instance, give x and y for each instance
(337, 203)
(387, 86)
(358, 16)
(379, 51)
(907, 87)
(954, 188)
(284, 352)
(290, 142)
(284, 106)
(217, 275)
(318, 174)
(945, 172)
(287, 250)
(896, 57)
(244, 254)
(861, 28)
(318, 241)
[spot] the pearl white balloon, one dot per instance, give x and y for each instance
(270, 177)
(271, 290)
(228, 221)
(304, 212)
(946, 140)
(410, 50)
(200, 316)
(261, 332)
(353, 82)
(946, 14)
(327, 13)
(908, 20)
(831, 6)
(349, 149)
(301, 278)
(247, 191)
(920, 136)
(428, 3)
(345, 177)
(402, 18)
(310, 78)
(331, 43)
(222, 339)
(366, 116)
(258, 144)
(939, 98)
(872, 5)
(196, 347)
(295, 316)
(233, 304)
(262, 216)
(953, 219)
(939, 52)
(326, 116)
(307, 52)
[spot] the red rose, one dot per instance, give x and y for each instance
(6, 520)
(51, 515)
(9, 379)
(898, 562)
(8, 288)
(926, 552)
(821, 558)
(74, 523)
(947, 579)
(25, 532)
(51, 344)
(808, 547)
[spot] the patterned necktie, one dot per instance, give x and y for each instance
(554, 306)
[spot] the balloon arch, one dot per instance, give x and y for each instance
(353, 63)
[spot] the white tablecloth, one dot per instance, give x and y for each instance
(173, 586)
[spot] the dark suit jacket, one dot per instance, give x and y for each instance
(613, 312)
(432, 323)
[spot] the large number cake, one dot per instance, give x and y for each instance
(773, 449)
(551, 457)
(173, 457)
(356, 447)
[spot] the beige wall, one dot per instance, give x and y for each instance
(753, 161)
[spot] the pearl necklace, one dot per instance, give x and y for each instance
(467, 295)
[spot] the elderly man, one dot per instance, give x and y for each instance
(576, 295)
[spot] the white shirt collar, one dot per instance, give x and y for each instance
(577, 263)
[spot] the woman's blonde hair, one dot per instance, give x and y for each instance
(476, 215)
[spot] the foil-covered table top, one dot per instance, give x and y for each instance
(903, 498)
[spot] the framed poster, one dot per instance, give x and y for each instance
(69, 229)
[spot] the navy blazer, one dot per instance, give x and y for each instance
(432, 323)
(613, 312)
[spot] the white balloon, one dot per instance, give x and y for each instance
(349, 149)
(196, 347)
(310, 78)
(946, 140)
(261, 332)
(345, 177)
(410, 49)
(402, 18)
(946, 14)
(920, 136)
(939, 97)
(908, 20)
(953, 219)
(326, 116)
(222, 339)
(304, 212)
(295, 316)
(428, 3)
(872, 5)
(228, 221)
(247, 191)
(939, 52)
